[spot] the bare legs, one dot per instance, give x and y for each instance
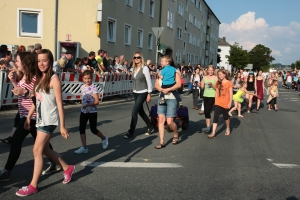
(238, 107)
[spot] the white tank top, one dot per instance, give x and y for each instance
(46, 108)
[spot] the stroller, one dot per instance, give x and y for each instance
(181, 119)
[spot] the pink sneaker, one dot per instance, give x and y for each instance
(68, 174)
(27, 190)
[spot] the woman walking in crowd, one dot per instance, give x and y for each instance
(288, 81)
(251, 88)
(270, 81)
(90, 100)
(273, 94)
(25, 62)
(168, 110)
(142, 89)
(238, 100)
(208, 83)
(202, 74)
(196, 80)
(236, 82)
(259, 88)
(222, 102)
(280, 79)
(49, 106)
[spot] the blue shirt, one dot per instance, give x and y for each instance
(168, 73)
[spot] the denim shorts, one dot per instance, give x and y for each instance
(168, 109)
(47, 129)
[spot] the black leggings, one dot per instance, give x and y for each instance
(220, 110)
(84, 118)
(208, 104)
(273, 102)
(17, 140)
(195, 97)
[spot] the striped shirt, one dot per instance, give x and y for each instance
(25, 103)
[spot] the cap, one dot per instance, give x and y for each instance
(251, 72)
(37, 46)
(69, 52)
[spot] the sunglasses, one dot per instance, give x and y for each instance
(138, 57)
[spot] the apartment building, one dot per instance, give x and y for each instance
(191, 31)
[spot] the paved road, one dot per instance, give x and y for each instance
(249, 164)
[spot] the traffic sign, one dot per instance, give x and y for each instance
(157, 31)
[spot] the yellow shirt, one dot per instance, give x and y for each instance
(99, 60)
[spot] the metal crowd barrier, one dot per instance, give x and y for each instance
(107, 84)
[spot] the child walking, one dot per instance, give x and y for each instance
(238, 100)
(90, 100)
(48, 106)
(273, 94)
(168, 79)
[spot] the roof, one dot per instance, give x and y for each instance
(211, 11)
(223, 42)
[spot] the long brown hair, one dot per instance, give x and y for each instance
(44, 84)
(219, 83)
(28, 62)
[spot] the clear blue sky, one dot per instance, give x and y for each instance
(279, 30)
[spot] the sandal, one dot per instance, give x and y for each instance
(175, 140)
(211, 136)
(6, 140)
(160, 146)
(227, 133)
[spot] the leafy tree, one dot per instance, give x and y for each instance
(260, 56)
(295, 65)
(238, 57)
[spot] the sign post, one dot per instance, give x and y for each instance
(157, 32)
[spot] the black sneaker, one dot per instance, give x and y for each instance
(149, 130)
(4, 175)
(128, 135)
(53, 167)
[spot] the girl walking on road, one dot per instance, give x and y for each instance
(222, 102)
(238, 100)
(142, 89)
(273, 94)
(49, 107)
(90, 100)
(251, 88)
(259, 89)
(208, 83)
(196, 80)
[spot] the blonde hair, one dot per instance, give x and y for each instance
(149, 62)
(30, 48)
(135, 66)
(62, 62)
(168, 58)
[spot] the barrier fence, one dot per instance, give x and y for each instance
(107, 84)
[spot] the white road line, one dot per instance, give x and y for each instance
(293, 100)
(282, 166)
(131, 165)
(270, 159)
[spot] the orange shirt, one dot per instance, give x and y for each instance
(223, 97)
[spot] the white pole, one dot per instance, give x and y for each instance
(156, 58)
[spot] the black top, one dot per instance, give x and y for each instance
(250, 86)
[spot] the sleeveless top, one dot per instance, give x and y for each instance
(239, 93)
(46, 108)
(209, 90)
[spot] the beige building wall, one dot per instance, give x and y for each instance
(122, 15)
(76, 18)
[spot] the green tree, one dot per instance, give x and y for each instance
(260, 56)
(295, 65)
(238, 57)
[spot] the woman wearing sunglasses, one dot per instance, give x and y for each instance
(142, 88)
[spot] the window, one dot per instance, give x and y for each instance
(185, 25)
(179, 33)
(178, 57)
(187, 6)
(141, 6)
(184, 48)
(191, 18)
(190, 38)
(127, 34)
(129, 3)
(140, 38)
(152, 6)
(30, 22)
(170, 19)
(150, 41)
(111, 30)
(180, 9)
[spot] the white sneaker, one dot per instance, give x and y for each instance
(105, 143)
(81, 150)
